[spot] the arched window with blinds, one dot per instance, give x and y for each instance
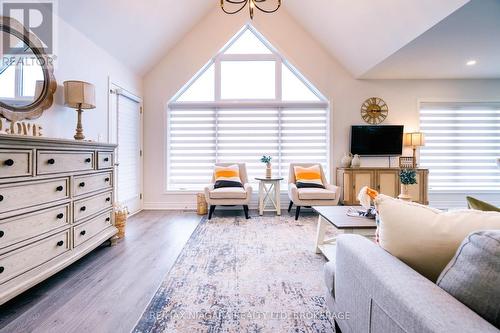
(248, 101)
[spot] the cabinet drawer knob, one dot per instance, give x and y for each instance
(60, 216)
(106, 159)
(51, 161)
(1, 270)
(108, 199)
(60, 243)
(83, 208)
(83, 232)
(1, 197)
(106, 179)
(88, 160)
(2, 233)
(9, 162)
(82, 184)
(59, 188)
(108, 219)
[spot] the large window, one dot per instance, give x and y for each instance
(462, 148)
(245, 103)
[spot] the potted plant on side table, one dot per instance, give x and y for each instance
(407, 177)
(269, 170)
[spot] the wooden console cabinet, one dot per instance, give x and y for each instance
(384, 180)
(56, 205)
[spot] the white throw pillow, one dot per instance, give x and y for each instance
(426, 239)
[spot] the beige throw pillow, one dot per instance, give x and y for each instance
(424, 238)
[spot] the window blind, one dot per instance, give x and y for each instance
(462, 146)
(198, 139)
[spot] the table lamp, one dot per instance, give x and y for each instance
(414, 140)
(80, 96)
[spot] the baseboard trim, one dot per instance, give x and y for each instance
(192, 206)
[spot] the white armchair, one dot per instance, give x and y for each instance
(307, 197)
(229, 196)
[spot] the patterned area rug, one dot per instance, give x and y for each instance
(235, 275)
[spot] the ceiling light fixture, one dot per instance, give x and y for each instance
(471, 62)
(237, 6)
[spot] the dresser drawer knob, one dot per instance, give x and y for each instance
(106, 179)
(1, 270)
(60, 243)
(88, 160)
(59, 189)
(83, 232)
(108, 219)
(1, 197)
(108, 199)
(106, 159)
(60, 216)
(9, 162)
(83, 208)
(2, 233)
(82, 184)
(51, 161)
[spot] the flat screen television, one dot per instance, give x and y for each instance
(377, 140)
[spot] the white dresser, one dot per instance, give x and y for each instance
(56, 201)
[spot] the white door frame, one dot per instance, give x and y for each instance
(114, 90)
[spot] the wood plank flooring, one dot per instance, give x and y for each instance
(107, 290)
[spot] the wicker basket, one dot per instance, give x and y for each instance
(121, 216)
(202, 207)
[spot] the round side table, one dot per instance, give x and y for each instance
(269, 195)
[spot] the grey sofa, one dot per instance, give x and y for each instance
(375, 292)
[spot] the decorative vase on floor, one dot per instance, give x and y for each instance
(269, 170)
(346, 160)
(404, 193)
(356, 161)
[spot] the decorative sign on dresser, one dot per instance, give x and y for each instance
(56, 205)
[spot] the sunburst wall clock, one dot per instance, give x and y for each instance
(374, 110)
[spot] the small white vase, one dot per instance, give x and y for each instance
(356, 161)
(346, 160)
(269, 170)
(404, 193)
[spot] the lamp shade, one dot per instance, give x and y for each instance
(416, 139)
(79, 94)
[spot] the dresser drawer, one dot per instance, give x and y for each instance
(29, 194)
(27, 226)
(15, 163)
(104, 160)
(90, 206)
(49, 162)
(91, 183)
(87, 230)
(22, 260)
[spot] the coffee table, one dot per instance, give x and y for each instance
(337, 217)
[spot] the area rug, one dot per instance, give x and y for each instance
(235, 275)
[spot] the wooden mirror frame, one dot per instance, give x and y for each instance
(46, 98)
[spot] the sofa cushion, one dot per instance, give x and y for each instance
(473, 275)
(425, 238)
(228, 193)
(315, 194)
(481, 205)
(329, 274)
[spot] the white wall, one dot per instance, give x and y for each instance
(78, 58)
(345, 93)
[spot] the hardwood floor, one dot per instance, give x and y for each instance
(107, 290)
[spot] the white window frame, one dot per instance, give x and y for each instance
(219, 104)
(19, 86)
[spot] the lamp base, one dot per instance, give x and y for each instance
(79, 129)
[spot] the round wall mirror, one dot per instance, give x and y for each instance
(27, 82)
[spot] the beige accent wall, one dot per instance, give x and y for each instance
(313, 61)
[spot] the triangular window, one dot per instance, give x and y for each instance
(248, 43)
(294, 88)
(202, 88)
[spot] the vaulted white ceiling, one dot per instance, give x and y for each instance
(372, 39)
